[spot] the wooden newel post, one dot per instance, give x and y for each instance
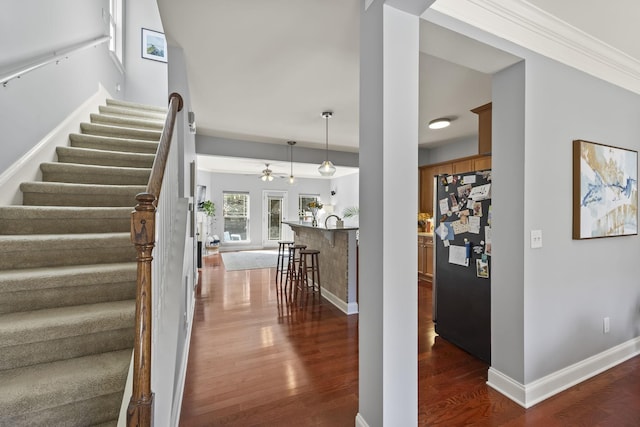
(140, 410)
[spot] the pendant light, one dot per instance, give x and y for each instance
(291, 144)
(327, 168)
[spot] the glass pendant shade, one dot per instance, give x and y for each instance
(327, 168)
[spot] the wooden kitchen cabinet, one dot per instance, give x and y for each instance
(459, 166)
(484, 128)
(462, 166)
(426, 184)
(482, 163)
(425, 257)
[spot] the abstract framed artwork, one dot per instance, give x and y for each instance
(605, 191)
(154, 45)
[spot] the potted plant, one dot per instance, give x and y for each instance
(208, 207)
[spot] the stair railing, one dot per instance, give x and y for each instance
(143, 229)
(54, 57)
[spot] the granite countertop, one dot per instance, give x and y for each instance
(319, 227)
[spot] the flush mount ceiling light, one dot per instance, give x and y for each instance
(267, 174)
(439, 123)
(291, 144)
(327, 168)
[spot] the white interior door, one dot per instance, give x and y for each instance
(274, 211)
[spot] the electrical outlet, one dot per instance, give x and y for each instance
(606, 325)
(536, 239)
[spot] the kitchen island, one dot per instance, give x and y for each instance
(338, 261)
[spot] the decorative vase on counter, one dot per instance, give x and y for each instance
(314, 212)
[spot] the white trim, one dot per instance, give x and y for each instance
(126, 396)
(531, 27)
(346, 308)
(283, 195)
(552, 384)
(182, 378)
(360, 422)
(27, 168)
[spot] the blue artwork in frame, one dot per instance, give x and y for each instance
(605, 191)
(154, 45)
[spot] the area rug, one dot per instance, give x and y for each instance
(249, 260)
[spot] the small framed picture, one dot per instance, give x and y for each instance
(482, 269)
(154, 45)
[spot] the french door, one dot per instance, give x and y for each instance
(274, 211)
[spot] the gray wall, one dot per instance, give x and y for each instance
(574, 283)
(33, 105)
(507, 292)
(464, 147)
(566, 287)
(216, 146)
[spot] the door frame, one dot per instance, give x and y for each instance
(266, 194)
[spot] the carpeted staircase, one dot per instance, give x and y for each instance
(67, 275)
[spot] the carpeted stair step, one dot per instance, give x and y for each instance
(89, 412)
(75, 392)
(43, 336)
(127, 122)
(28, 289)
(88, 156)
(135, 106)
(63, 219)
(97, 142)
(52, 250)
(131, 112)
(120, 132)
(66, 194)
(93, 174)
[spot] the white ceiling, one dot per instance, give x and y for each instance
(264, 71)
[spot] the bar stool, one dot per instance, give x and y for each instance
(309, 273)
(282, 245)
(292, 268)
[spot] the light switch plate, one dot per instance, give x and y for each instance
(536, 239)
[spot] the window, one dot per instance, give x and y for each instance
(236, 216)
(303, 205)
(115, 28)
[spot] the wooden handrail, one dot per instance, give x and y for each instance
(140, 409)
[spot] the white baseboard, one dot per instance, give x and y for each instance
(360, 422)
(552, 384)
(346, 308)
(27, 168)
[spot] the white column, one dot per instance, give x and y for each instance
(388, 376)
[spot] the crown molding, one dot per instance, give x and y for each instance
(522, 23)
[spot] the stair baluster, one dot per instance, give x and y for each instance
(140, 410)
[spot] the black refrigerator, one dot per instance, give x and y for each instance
(462, 281)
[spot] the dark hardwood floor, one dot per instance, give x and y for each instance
(255, 361)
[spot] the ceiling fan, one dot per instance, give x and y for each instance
(267, 174)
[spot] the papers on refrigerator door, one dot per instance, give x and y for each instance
(458, 255)
(481, 192)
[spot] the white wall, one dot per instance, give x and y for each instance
(36, 103)
(217, 183)
(347, 189)
(146, 79)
